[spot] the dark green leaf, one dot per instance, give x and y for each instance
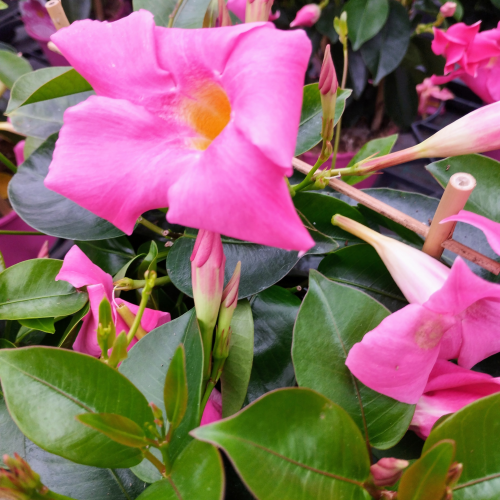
(400, 97)
(238, 366)
(77, 9)
(261, 266)
(160, 8)
(42, 324)
(476, 431)
(45, 84)
(147, 367)
(29, 290)
(386, 50)
(365, 18)
(116, 427)
(360, 266)
(358, 73)
(12, 67)
(274, 311)
(292, 443)
(149, 262)
(49, 212)
(196, 475)
(45, 388)
(310, 119)
(316, 211)
(332, 318)
(69, 335)
(6, 344)
(110, 255)
(175, 392)
(426, 478)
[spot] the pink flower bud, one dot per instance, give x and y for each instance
(44, 251)
(258, 11)
(387, 471)
(328, 86)
(448, 9)
(307, 16)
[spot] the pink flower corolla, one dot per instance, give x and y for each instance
(79, 270)
(213, 408)
(430, 96)
(453, 314)
(239, 7)
(448, 9)
(307, 16)
(36, 19)
(202, 121)
(449, 389)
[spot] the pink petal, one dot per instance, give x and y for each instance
(396, 358)
(238, 8)
(213, 408)
(19, 152)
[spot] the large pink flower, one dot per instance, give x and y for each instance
(202, 121)
(78, 270)
(448, 390)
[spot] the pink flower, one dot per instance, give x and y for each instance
(429, 97)
(448, 9)
(36, 20)
(78, 270)
(238, 8)
(213, 408)
(19, 152)
(186, 120)
(490, 228)
(387, 471)
(307, 16)
(449, 389)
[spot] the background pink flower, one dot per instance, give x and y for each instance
(430, 97)
(307, 16)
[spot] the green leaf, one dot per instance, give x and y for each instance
(476, 431)
(175, 391)
(45, 388)
(49, 212)
(77, 9)
(110, 255)
(45, 84)
(42, 324)
(160, 8)
(310, 119)
(238, 366)
(29, 290)
(267, 445)
(332, 318)
(147, 365)
(69, 335)
(426, 478)
(261, 266)
(374, 148)
(400, 96)
(386, 50)
(31, 144)
(365, 18)
(196, 475)
(12, 67)
(6, 344)
(316, 211)
(149, 262)
(118, 428)
(191, 14)
(360, 266)
(274, 311)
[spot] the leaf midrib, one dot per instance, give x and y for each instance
(37, 298)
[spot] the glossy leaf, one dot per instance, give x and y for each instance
(12, 67)
(29, 290)
(47, 211)
(118, 428)
(196, 475)
(69, 335)
(160, 8)
(310, 119)
(175, 392)
(426, 478)
(147, 365)
(386, 50)
(261, 266)
(274, 311)
(476, 431)
(332, 318)
(360, 266)
(365, 18)
(316, 211)
(238, 366)
(45, 84)
(45, 388)
(110, 255)
(42, 324)
(266, 443)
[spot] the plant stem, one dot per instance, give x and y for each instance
(151, 226)
(149, 456)
(307, 181)
(23, 233)
(127, 284)
(174, 13)
(99, 10)
(146, 292)
(8, 163)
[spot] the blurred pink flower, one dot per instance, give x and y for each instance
(213, 408)
(188, 120)
(307, 16)
(430, 96)
(448, 9)
(448, 390)
(79, 270)
(238, 8)
(36, 20)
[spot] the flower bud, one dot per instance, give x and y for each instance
(417, 274)
(106, 332)
(340, 26)
(20, 482)
(328, 86)
(44, 251)
(448, 9)
(387, 471)
(454, 473)
(307, 16)
(258, 11)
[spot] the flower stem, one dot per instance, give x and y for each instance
(151, 226)
(307, 181)
(146, 292)
(8, 163)
(149, 456)
(23, 233)
(127, 284)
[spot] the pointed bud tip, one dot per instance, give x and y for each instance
(328, 77)
(230, 293)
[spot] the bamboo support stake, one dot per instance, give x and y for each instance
(57, 14)
(403, 219)
(455, 196)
